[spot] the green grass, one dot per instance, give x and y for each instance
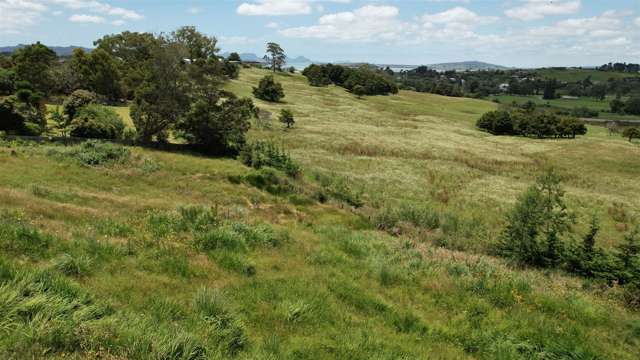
(185, 261)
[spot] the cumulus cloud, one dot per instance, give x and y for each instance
(236, 40)
(366, 23)
(83, 18)
(538, 9)
(281, 7)
(637, 21)
(17, 14)
(272, 25)
(458, 17)
(194, 10)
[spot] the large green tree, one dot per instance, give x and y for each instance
(32, 64)
(275, 56)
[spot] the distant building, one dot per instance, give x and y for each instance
(503, 87)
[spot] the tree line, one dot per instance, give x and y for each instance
(530, 122)
(360, 81)
(172, 81)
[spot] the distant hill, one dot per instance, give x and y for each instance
(60, 50)
(299, 59)
(466, 66)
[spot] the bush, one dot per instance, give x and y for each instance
(632, 106)
(97, 122)
(95, 153)
(631, 133)
(286, 117)
(269, 90)
(77, 100)
(265, 153)
(19, 118)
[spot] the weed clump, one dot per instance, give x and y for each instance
(18, 237)
(94, 153)
(420, 216)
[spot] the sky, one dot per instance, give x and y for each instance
(524, 33)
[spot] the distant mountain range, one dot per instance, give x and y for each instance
(466, 66)
(60, 50)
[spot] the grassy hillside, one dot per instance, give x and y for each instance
(176, 256)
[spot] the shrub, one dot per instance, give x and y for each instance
(97, 122)
(286, 117)
(537, 222)
(77, 100)
(367, 81)
(631, 133)
(269, 180)
(265, 153)
(95, 153)
(19, 118)
(497, 122)
(269, 90)
(220, 238)
(632, 106)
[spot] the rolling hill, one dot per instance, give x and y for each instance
(172, 255)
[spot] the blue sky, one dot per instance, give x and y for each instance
(507, 32)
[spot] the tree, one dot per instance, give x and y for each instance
(617, 106)
(599, 91)
(497, 122)
(269, 90)
(199, 47)
(19, 118)
(75, 101)
(132, 51)
(7, 78)
(286, 117)
(104, 75)
(32, 64)
(359, 91)
(97, 122)
(234, 56)
(550, 87)
(163, 96)
(536, 224)
(275, 56)
(632, 106)
(221, 127)
(631, 133)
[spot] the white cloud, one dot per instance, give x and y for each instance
(538, 9)
(281, 7)
(272, 25)
(236, 40)
(637, 21)
(366, 23)
(275, 8)
(83, 18)
(194, 10)
(458, 17)
(16, 14)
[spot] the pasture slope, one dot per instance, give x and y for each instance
(177, 256)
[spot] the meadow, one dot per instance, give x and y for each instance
(151, 254)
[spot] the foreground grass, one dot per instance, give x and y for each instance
(175, 256)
